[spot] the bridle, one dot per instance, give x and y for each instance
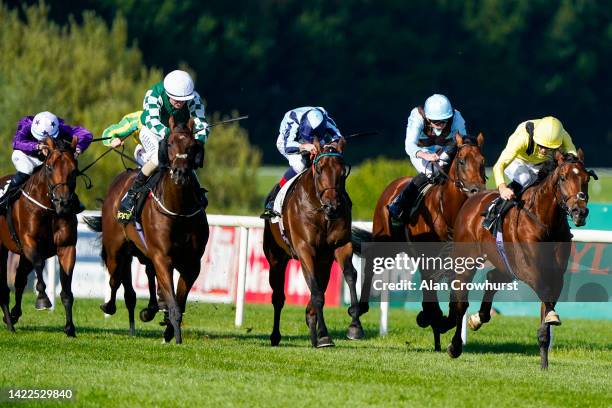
(316, 171)
(458, 182)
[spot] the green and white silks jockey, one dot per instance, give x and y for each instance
(175, 96)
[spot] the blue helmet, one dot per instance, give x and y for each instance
(313, 124)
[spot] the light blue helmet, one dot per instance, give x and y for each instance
(438, 107)
(313, 124)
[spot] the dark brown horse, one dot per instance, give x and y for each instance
(173, 236)
(44, 227)
(433, 222)
(561, 191)
(317, 221)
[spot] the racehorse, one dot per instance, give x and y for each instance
(560, 191)
(317, 229)
(172, 234)
(433, 222)
(41, 224)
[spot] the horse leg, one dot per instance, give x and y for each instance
(117, 261)
(476, 320)
(185, 282)
(431, 315)
(147, 314)
(4, 289)
(129, 295)
(67, 258)
(163, 267)
(458, 306)
(21, 279)
(344, 257)
(317, 277)
(278, 265)
(42, 300)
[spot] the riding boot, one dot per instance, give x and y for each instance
(126, 208)
(269, 212)
(12, 189)
(500, 207)
(399, 209)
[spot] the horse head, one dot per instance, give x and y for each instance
(330, 172)
(572, 181)
(61, 170)
(180, 149)
(468, 167)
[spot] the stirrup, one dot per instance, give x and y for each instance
(268, 214)
(124, 216)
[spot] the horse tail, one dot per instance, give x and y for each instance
(94, 223)
(359, 236)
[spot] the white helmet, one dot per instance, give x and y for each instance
(179, 85)
(313, 124)
(45, 124)
(438, 107)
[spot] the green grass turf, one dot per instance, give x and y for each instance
(220, 365)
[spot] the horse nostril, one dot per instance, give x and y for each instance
(474, 190)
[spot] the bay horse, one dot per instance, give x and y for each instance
(173, 236)
(432, 223)
(317, 226)
(44, 225)
(560, 191)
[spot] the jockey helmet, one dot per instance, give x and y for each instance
(313, 124)
(438, 107)
(45, 124)
(548, 132)
(179, 85)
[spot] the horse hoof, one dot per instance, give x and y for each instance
(422, 320)
(168, 333)
(14, 317)
(325, 341)
(43, 303)
(108, 308)
(146, 315)
(275, 339)
(552, 318)
(474, 322)
(453, 351)
(355, 333)
(70, 331)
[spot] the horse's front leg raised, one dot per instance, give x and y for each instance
(31, 252)
(67, 258)
(164, 271)
(147, 314)
(344, 257)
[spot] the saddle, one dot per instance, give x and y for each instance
(143, 195)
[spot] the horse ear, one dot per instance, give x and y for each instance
(480, 139)
(458, 138)
(317, 144)
(190, 124)
(558, 157)
(341, 144)
(74, 142)
(171, 122)
(581, 154)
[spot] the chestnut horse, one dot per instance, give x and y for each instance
(542, 217)
(173, 236)
(432, 223)
(44, 226)
(317, 225)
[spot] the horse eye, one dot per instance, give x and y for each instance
(562, 177)
(462, 162)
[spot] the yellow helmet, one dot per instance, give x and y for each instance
(548, 132)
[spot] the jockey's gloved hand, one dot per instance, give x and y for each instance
(77, 153)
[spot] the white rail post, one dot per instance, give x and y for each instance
(384, 308)
(464, 329)
(242, 270)
(51, 275)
